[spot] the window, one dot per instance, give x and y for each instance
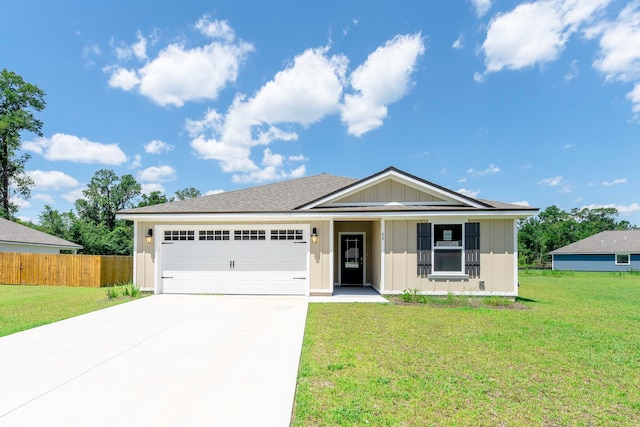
(447, 248)
(623, 259)
(249, 235)
(179, 235)
(287, 235)
(213, 235)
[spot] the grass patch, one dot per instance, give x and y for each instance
(25, 307)
(573, 359)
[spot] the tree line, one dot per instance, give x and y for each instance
(554, 228)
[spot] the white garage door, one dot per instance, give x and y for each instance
(258, 260)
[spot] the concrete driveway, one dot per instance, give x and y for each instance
(164, 360)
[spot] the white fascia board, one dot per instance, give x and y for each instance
(307, 216)
(404, 179)
(42, 245)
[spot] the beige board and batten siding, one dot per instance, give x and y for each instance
(389, 191)
(497, 260)
(320, 277)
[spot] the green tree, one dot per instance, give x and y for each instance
(105, 195)
(56, 223)
(18, 101)
(153, 198)
(188, 193)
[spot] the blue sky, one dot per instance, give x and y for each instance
(535, 103)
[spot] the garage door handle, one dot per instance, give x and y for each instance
(167, 243)
(167, 277)
(299, 278)
(299, 242)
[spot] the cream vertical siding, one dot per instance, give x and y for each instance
(320, 276)
(389, 191)
(374, 255)
(497, 260)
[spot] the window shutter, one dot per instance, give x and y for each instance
(424, 249)
(472, 249)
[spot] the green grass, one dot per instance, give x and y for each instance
(571, 359)
(25, 307)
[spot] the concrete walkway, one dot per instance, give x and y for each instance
(351, 294)
(164, 360)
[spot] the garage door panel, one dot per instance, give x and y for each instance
(236, 266)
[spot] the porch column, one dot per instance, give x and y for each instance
(382, 246)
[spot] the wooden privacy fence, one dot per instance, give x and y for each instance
(88, 271)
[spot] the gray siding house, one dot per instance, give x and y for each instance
(617, 250)
(16, 237)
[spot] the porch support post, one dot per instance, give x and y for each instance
(331, 249)
(382, 250)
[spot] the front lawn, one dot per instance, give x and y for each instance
(24, 307)
(572, 358)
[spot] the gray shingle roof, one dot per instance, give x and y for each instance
(605, 242)
(277, 197)
(17, 233)
(289, 196)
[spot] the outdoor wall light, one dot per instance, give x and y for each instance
(314, 235)
(149, 237)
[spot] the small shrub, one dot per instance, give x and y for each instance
(409, 295)
(130, 290)
(112, 292)
(497, 301)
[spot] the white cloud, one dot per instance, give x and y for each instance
(622, 209)
(382, 79)
(179, 73)
(521, 203)
(20, 203)
(573, 71)
(619, 54)
(297, 158)
(149, 187)
(470, 193)
(211, 192)
(56, 180)
(74, 195)
(137, 49)
(216, 29)
(271, 170)
(551, 182)
(481, 7)
(462, 180)
(89, 52)
(634, 97)
(136, 162)
(75, 149)
(488, 171)
(303, 93)
(458, 43)
(567, 146)
(123, 78)
(157, 147)
(45, 198)
(535, 33)
(615, 182)
(157, 174)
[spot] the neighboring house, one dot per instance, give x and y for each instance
(16, 237)
(617, 250)
(392, 231)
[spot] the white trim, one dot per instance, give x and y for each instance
(467, 293)
(622, 253)
(331, 255)
(42, 245)
(135, 254)
(308, 216)
(382, 250)
(399, 177)
(364, 254)
(357, 204)
(515, 261)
